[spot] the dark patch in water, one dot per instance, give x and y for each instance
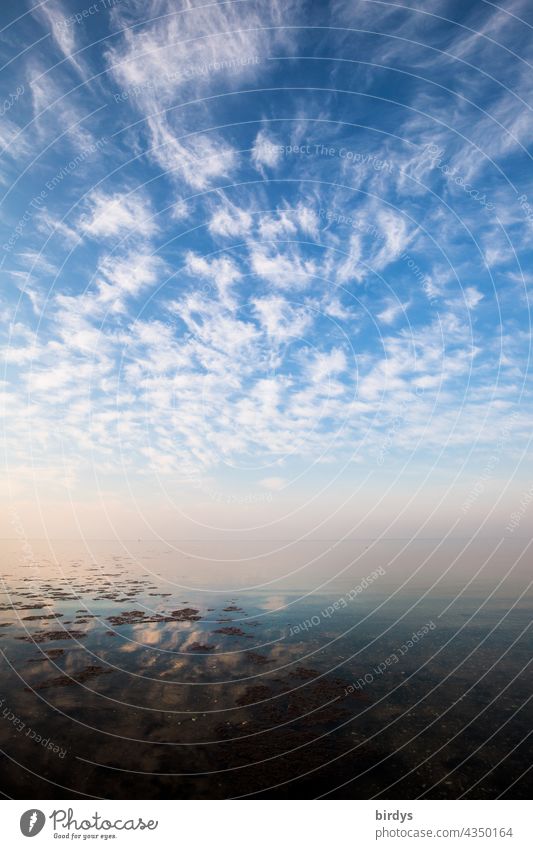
(65, 681)
(49, 636)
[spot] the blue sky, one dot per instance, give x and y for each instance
(261, 254)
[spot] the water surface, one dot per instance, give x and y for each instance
(359, 669)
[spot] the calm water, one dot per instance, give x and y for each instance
(233, 669)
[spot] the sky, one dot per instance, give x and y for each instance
(266, 268)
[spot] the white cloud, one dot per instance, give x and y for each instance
(396, 238)
(392, 311)
(230, 221)
(121, 277)
(198, 161)
(55, 17)
(351, 268)
(324, 365)
(280, 319)
(179, 54)
(221, 271)
(273, 484)
(285, 270)
(472, 297)
(179, 211)
(265, 151)
(308, 220)
(118, 214)
(272, 227)
(286, 222)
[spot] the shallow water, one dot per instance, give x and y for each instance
(143, 669)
